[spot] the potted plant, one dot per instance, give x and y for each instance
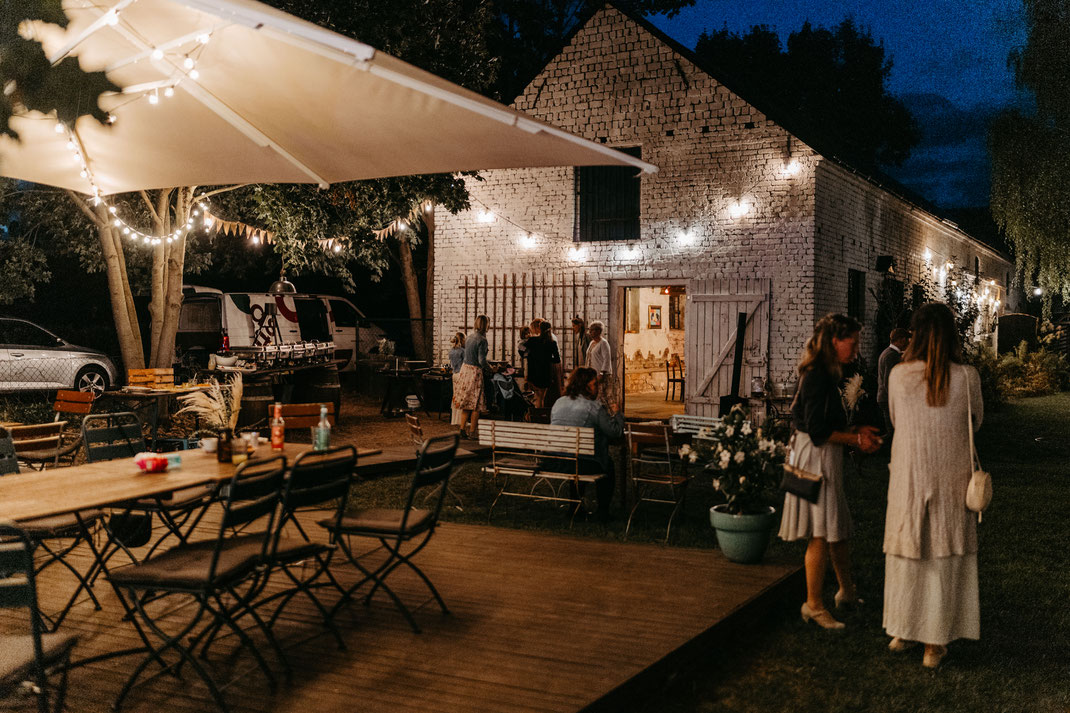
(746, 467)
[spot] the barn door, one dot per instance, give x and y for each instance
(711, 317)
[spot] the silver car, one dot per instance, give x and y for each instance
(35, 359)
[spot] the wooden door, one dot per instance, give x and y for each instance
(712, 309)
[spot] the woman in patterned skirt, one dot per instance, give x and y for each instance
(468, 390)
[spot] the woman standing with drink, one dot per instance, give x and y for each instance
(930, 538)
(821, 433)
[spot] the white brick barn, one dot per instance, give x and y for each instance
(742, 216)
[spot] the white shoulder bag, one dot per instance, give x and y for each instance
(979, 491)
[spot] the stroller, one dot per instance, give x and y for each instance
(510, 403)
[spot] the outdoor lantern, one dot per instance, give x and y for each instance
(282, 286)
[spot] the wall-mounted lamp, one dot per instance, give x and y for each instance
(738, 209)
(927, 256)
(528, 241)
(577, 254)
(685, 237)
(791, 168)
(485, 216)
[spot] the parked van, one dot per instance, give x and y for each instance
(213, 321)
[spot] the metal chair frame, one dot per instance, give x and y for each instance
(77, 533)
(252, 497)
(434, 464)
(416, 433)
(662, 485)
(18, 589)
(674, 374)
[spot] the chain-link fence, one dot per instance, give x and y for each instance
(35, 359)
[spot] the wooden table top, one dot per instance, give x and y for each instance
(25, 496)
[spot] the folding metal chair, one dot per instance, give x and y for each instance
(652, 465)
(38, 445)
(221, 576)
(29, 660)
(46, 532)
(317, 478)
(416, 433)
(408, 528)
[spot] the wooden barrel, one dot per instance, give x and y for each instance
(319, 386)
(256, 400)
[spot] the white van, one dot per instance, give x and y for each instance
(214, 321)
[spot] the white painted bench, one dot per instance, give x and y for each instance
(688, 425)
(544, 456)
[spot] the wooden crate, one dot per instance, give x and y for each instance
(150, 377)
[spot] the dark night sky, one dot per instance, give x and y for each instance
(949, 67)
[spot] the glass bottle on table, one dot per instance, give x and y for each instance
(224, 450)
(278, 429)
(321, 432)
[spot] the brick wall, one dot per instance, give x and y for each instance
(619, 84)
(858, 221)
(807, 221)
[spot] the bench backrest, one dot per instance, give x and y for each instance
(536, 437)
(690, 425)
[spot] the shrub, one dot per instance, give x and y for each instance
(988, 368)
(1036, 373)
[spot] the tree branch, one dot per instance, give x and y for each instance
(84, 208)
(222, 190)
(152, 209)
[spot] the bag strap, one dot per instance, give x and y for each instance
(975, 460)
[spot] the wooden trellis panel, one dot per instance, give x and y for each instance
(512, 300)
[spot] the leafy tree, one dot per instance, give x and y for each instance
(1030, 168)
(531, 32)
(831, 84)
(30, 81)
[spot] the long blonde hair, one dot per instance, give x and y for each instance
(936, 342)
(820, 352)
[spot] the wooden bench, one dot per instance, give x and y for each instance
(688, 425)
(545, 456)
(305, 415)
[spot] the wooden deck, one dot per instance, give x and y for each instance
(539, 623)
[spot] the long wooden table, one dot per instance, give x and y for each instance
(59, 491)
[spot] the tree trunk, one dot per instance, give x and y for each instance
(158, 280)
(429, 284)
(176, 267)
(412, 296)
(126, 328)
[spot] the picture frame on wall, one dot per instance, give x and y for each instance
(653, 317)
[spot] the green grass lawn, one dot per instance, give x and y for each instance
(1021, 663)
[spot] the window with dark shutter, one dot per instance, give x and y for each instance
(856, 294)
(609, 200)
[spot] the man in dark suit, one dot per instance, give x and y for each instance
(891, 356)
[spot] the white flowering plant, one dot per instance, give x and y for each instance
(743, 463)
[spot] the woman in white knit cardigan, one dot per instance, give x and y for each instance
(930, 538)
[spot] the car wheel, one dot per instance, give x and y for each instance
(91, 378)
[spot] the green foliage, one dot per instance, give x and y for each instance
(830, 82)
(744, 464)
(1033, 373)
(31, 82)
(24, 266)
(1030, 169)
(987, 363)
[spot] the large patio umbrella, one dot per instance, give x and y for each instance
(234, 91)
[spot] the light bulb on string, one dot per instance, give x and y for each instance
(194, 74)
(169, 92)
(70, 146)
(203, 38)
(188, 62)
(154, 98)
(157, 54)
(60, 128)
(111, 18)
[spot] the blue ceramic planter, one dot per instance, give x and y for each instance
(742, 538)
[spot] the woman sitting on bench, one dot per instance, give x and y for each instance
(580, 407)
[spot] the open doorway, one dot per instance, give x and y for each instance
(653, 350)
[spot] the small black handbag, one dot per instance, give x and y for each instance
(800, 482)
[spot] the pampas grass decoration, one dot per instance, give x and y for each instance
(215, 408)
(236, 389)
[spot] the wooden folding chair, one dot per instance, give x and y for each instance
(306, 416)
(39, 444)
(72, 403)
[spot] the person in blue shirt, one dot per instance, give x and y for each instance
(580, 407)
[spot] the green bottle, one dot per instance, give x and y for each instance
(321, 432)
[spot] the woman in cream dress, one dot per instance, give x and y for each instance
(930, 538)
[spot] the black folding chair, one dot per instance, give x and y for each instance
(55, 538)
(28, 661)
(109, 436)
(408, 529)
(221, 576)
(317, 479)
